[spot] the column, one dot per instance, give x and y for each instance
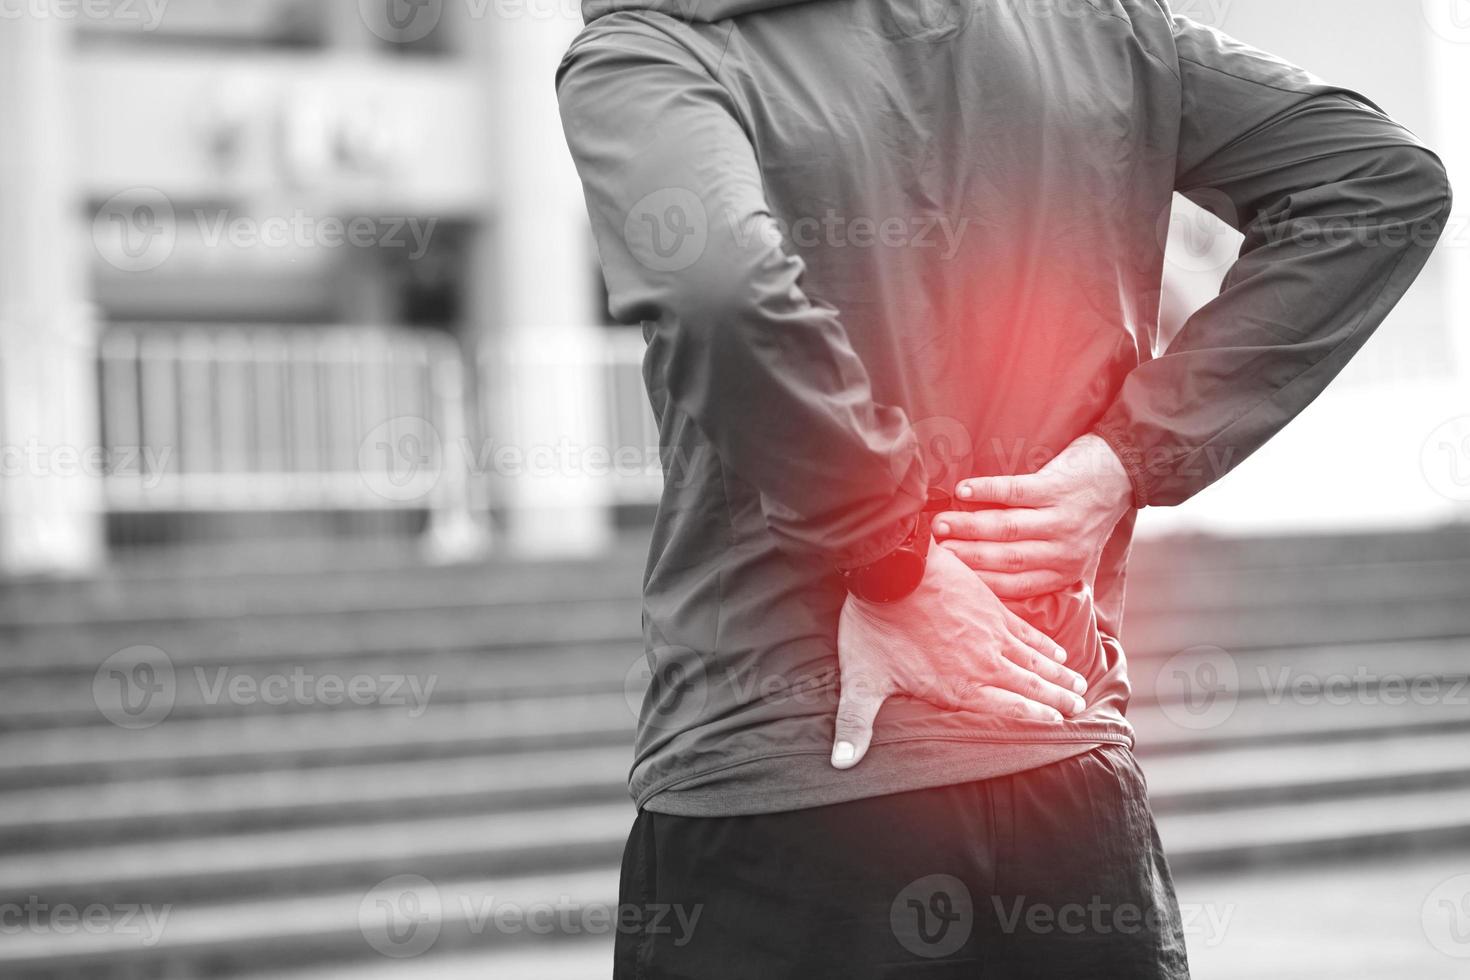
(535, 320)
(50, 489)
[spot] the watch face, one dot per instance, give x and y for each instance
(889, 579)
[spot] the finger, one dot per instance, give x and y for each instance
(1022, 556)
(1034, 687)
(1026, 585)
(1035, 638)
(1028, 659)
(1010, 491)
(998, 525)
(857, 709)
(1004, 704)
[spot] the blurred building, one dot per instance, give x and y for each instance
(298, 267)
(293, 266)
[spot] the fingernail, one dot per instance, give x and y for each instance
(1060, 654)
(941, 528)
(843, 753)
(1058, 716)
(1078, 705)
(1079, 685)
(965, 491)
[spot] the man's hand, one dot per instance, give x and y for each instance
(1050, 528)
(952, 643)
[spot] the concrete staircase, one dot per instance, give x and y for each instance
(475, 773)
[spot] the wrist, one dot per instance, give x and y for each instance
(1111, 480)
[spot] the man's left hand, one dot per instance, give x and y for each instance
(1047, 530)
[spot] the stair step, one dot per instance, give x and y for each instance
(334, 927)
(1280, 833)
(345, 856)
(181, 807)
(204, 690)
(377, 630)
(1290, 772)
(370, 735)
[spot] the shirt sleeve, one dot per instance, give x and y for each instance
(1340, 207)
(689, 249)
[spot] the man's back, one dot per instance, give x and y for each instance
(849, 223)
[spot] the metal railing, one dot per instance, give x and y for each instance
(273, 418)
(258, 418)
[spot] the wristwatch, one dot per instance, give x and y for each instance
(897, 574)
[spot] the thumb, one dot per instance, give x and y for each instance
(857, 708)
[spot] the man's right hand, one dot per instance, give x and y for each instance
(952, 643)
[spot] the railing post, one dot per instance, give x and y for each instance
(455, 531)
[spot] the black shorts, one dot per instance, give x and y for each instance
(1054, 873)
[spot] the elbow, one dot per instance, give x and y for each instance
(1421, 192)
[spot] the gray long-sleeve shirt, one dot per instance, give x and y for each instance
(879, 244)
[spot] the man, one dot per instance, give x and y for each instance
(898, 264)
